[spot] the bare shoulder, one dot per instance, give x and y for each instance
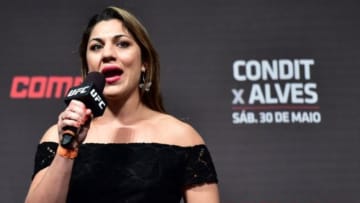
(51, 135)
(178, 132)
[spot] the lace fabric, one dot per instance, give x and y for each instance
(135, 172)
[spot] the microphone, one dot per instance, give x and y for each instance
(90, 93)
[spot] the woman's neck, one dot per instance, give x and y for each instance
(124, 111)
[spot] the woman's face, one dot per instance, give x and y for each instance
(113, 51)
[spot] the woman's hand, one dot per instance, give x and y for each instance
(75, 115)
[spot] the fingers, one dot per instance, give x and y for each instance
(76, 114)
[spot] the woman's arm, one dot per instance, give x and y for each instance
(204, 188)
(51, 183)
(206, 193)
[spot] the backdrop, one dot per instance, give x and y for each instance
(270, 85)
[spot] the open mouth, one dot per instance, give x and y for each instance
(112, 74)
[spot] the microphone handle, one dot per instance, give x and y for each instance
(68, 137)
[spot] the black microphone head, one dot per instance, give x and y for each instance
(90, 93)
(98, 79)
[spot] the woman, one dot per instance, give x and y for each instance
(135, 152)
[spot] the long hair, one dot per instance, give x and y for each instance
(149, 56)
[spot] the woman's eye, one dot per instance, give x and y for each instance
(95, 47)
(123, 44)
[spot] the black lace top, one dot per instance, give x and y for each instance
(136, 172)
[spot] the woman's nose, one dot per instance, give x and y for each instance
(108, 54)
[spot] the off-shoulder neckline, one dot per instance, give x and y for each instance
(133, 144)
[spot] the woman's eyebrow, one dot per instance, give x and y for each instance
(99, 39)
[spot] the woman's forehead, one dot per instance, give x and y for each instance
(109, 28)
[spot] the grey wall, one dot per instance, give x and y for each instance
(274, 140)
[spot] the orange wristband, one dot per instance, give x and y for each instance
(67, 153)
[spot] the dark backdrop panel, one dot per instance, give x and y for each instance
(302, 160)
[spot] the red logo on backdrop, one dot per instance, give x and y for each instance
(42, 87)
